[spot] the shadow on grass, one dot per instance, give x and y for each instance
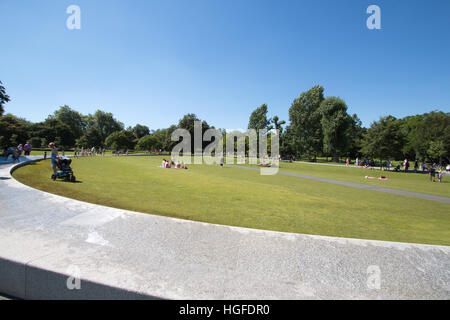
(68, 181)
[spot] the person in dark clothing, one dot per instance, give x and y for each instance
(432, 172)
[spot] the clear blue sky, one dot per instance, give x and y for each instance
(151, 62)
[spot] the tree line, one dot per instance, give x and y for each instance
(318, 126)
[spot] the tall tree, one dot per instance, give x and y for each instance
(140, 130)
(13, 130)
(123, 139)
(277, 124)
(163, 138)
(356, 136)
(433, 127)
(336, 124)
(305, 129)
(91, 138)
(187, 122)
(148, 142)
(104, 122)
(384, 139)
(58, 132)
(72, 118)
(258, 119)
(4, 98)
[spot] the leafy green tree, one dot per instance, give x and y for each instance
(187, 122)
(305, 129)
(277, 124)
(409, 127)
(163, 138)
(14, 130)
(121, 140)
(384, 139)
(4, 98)
(104, 122)
(91, 138)
(44, 142)
(140, 131)
(336, 125)
(58, 132)
(431, 128)
(356, 135)
(148, 142)
(258, 119)
(36, 142)
(75, 120)
(437, 150)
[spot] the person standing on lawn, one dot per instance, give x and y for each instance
(406, 165)
(27, 148)
(441, 172)
(432, 172)
(53, 156)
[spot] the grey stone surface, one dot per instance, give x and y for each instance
(121, 254)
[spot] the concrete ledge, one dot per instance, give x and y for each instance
(121, 254)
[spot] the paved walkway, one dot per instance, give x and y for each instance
(359, 186)
(48, 242)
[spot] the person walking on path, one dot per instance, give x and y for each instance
(19, 149)
(53, 156)
(27, 148)
(16, 155)
(416, 165)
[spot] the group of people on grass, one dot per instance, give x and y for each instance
(17, 151)
(89, 152)
(432, 169)
(173, 165)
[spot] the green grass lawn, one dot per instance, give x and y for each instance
(415, 182)
(233, 196)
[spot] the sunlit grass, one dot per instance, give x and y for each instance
(233, 196)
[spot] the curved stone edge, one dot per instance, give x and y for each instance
(243, 230)
(19, 279)
(27, 279)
